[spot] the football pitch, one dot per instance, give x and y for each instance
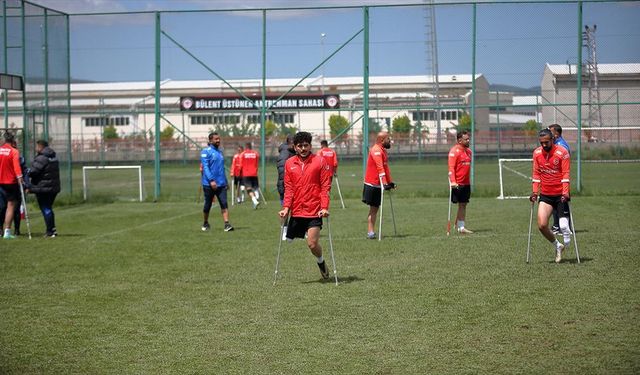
(138, 288)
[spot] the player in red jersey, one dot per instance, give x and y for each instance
(459, 177)
(307, 183)
(250, 159)
(10, 180)
(236, 174)
(377, 169)
(329, 156)
(551, 178)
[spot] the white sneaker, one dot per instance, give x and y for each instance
(464, 230)
(284, 234)
(559, 249)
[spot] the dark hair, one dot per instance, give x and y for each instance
(544, 133)
(240, 147)
(212, 134)
(248, 145)
(460, 134)
(557, 128)
(324, 143)
(42, 143)
(9, 137)
(302, 137)
(289, 138)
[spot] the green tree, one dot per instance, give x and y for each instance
(401, 125)
(110, 133)
(464, 123)
(531, 127)
(338, 124)
(270, 128)
(167, 133)
(374, 126)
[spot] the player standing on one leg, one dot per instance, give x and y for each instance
(377, 170)
(460, 177)
(214, 181)
(556, 130)
(249, 159)
(551, 177)
(236, 174)
(10, 180)
(307, 184)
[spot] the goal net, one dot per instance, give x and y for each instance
(515, 178)
(113, 183)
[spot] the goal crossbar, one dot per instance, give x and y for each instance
(97, 167)
(502, 166)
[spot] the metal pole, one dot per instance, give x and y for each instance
(25, 128)
(419, 126)
(70, 160)
(263, 108)
(498, 121)
(324, 130)
(365, 95)
(45, 50)
(579, 98)
(618, 119)
(156, 193)
(473, 96)
(5, 54)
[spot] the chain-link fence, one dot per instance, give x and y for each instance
(112, 87)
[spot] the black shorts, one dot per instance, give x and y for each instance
(11, 192)
(250, 182)
(461, 194)
(237, 181)
(209, 193)
(298, 226)
(371, 195)
(554, 201)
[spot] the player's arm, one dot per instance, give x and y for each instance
(206, 169)
(452, 161)
(379, 163)
(37, 166)
(566, 174)
(535, 180)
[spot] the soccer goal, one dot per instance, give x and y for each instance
(113, 182)
(515, 178)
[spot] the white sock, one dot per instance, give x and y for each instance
(564, 228)
(460, 224)
(7, 232)
(257, 194)
(556, 243)
(254, 200)
(320, 259)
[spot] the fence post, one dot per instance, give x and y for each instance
(579, 97)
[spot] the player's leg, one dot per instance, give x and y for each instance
(545, 209)
(461, 196)
(372, 197)
(313, 241)
(563, 221)
(45, 202)
(555, 228)
(12, 202)
(371, 222)
(208, 197)
(221, 193)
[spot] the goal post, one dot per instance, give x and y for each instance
(515, 178)
(138, 168)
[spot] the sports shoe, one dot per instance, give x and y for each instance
(255, 204)
(559, 249)
(51, 235)
(464, 231)
(8, 236)
(555, 230)
(371, 235)
(323, 270)
(228, 228)
(16, 232)
(206, 227)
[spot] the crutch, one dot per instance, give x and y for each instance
(284, 224)
(199, 193)
(26, 212)
(449, 213)
(333, 258)
(339, 192)
(381, 207)
(529, 240)
(393, 216)
(573, 230)
(262, 195)
(233, 189)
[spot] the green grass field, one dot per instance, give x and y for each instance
(138, 288)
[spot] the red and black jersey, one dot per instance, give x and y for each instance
(329, 157)
(236, 165)
(377, 166)
(9, 165)
(249, 163)
(307, 183)
(460, 165)
(551, 171)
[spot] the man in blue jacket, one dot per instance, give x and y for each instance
(214, 181)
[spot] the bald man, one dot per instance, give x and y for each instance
(377, 169)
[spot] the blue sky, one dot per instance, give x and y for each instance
(514, 40)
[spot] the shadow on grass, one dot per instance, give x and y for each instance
(574, 260)
(331, 280)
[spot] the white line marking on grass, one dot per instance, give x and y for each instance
(137, 226)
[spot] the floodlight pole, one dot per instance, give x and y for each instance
(365, 92)
(156, 139)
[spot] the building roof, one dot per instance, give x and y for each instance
(564, 69)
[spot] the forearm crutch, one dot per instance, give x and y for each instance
(284, 224)
(233, 190)
(381, 207)
(573, 230)
(449, 212)
(393, 215)
(529, 239)
(333, 258)
(339, 192)
(26, 212)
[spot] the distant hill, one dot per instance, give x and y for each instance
(535, 90)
